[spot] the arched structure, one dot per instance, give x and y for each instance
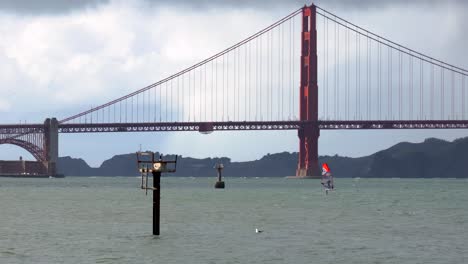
(36, 151)
(39, 140)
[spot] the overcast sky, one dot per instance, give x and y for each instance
(61, 57)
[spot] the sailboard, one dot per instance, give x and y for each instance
(327, 178)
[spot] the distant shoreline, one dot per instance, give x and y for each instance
(433, 158)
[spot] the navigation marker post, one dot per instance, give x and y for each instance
(219, 184)
(147, 164)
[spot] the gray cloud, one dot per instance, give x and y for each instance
(298, 3)
(34, 7)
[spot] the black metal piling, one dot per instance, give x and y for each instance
(156, 202)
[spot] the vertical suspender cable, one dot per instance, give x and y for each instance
(442, 92)
(411, 73)
(226, 97)
(421, 95)
(238, 84)
(293, 66)
(335, 77)
(260, 99)
(390, 84)
(160, 103)
(256, 80)
(271, 61)
(410, 85)
(358, 61)
(189, 76)
(380, 81)
(192, 88)
(178, 101)
(150, 111)
(211, 94)
(400, 88)
(282, 70)
(369, 81)
(245, 82)
(347, 74)
(463, 98)
(228, 90)
(357, 79)
(171, 99)
(137, 107)
(147, 104)
(345, 108)
(183, 98)
(165, 101)
(234, 81)
(216, 89)
(337, 92)
(250, 77)
(290, 73)
(268, 81)
(154, 104)
(432, 92)
(325, 68)
(279, 85)
(368, 77)
(200, 96)
(453, 96)
(222, 96)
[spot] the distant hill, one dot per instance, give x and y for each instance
(429, 159)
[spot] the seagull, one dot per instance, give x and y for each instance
(258, 231)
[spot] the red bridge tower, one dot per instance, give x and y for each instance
(308, 97)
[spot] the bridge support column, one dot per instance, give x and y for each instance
(308, 153)
(308, 97)
(51, 145)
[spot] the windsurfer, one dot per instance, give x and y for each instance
(327, 178)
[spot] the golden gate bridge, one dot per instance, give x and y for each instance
(274, 80)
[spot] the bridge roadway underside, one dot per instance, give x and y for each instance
(227, 126)
(275, 125)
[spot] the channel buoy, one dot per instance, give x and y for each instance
(219, 184)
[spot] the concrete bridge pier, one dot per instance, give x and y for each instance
(308, 166)
(51, 145)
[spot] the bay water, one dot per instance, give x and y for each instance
(108, 220)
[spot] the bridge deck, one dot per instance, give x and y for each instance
(227, 126)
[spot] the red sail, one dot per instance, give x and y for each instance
(325, 168)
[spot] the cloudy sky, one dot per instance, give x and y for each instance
(59, 58)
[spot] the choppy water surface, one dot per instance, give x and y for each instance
(108, 220)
